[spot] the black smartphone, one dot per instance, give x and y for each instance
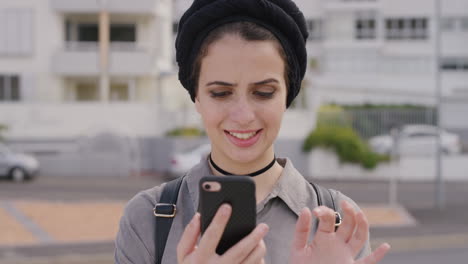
(239, 192)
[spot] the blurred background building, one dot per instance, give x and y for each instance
(90, 88)
(69, 66)
(73, 70)
(382, 52)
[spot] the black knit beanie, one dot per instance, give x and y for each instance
(281, 17)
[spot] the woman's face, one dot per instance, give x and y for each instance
(241, 98)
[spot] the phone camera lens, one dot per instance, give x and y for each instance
(207, 186)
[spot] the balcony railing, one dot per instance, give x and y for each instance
(82, 58)
(124, 46)
(113, 6)
(351, 4)
(128, 46)
(81, 46)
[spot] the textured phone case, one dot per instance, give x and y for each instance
(239, 192)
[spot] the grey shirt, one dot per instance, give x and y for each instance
(280, 210)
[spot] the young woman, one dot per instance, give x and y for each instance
(242, 61)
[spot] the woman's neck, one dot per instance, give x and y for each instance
(263, 182)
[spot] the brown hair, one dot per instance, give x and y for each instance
(248, 31)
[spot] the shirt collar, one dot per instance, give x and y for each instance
(291, 187)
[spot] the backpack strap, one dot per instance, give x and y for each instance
(325, 197)
(165, 211)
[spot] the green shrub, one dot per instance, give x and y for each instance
(345, 142)
(186, 132)
(332, 115)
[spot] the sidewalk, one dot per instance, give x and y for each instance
(37, 232)
(47, 222)
(26, 222)
(74, 230)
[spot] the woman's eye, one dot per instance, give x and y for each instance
(264, 95)
(220, 94)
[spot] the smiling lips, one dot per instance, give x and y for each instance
(243, 138)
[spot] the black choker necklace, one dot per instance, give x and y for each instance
(253, 174)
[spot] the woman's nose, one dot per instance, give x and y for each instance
(242, 112)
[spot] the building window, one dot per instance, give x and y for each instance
(123, 32)
(119, 92)
(464, 23)
(365, 25)
(454, 24)
(9, 88)
(89, 32)
(365, 29)
(454, 64)
(86, 92)
(447, 24)
(175, 27)
(314, 27)
(406, 28)
(16, 31)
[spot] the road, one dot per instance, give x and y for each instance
(438, 256)
(440, 237)
(435, 256)
(76, 188)
(411, 195)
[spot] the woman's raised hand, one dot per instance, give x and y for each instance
(249, 250)
(328, 246)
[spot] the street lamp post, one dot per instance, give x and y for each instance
(440, 195)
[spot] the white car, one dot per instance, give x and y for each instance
(417, 140)
(182, 162)
(17, 166)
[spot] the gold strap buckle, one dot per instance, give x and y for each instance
(169, 210)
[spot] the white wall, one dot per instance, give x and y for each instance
(164, 28)
(46, 37)
(16, 32)
(407, 7)
(310, 8)
(453, 114)
(180, 6)
(454, 7)
(297, 124)
(51, 121)
(324, 164)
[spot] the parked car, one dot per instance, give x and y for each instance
(183, 161)
(17, 166)
(417, 140)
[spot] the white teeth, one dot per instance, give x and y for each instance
(243, 135)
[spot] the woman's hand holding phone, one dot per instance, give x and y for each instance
(249, 250)
(329, 246)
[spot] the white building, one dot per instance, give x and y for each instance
(69, 67)
(383, 51)
(380, 51)
(59, 77)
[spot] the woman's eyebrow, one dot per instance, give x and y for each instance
(270, 80)
(220, 83)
